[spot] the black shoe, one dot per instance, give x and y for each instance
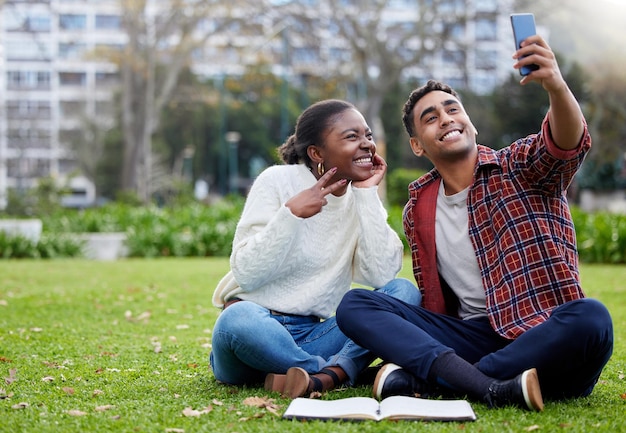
(393, 380)
(522, 391)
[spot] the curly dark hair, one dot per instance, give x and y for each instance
(416, 95)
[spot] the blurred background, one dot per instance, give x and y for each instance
(147, 101)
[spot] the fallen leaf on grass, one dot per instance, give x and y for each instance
(12, 376)
(188, 411)
(623, 396)
(174, 430)
(532, 428)
(620, 375)
(36, 329)
(216, 402)
(255, 416)
(47, 379)
(68, 390)
(262, 402)
(104, 408)
(4, 359)
(97, 392)
(21, 405)
(75, 412)
(3, 302)
(3, 394)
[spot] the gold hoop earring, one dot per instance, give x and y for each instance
(320, 168)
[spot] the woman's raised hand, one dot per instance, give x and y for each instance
(310, 201)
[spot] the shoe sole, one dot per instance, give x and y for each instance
(532, 390)
(275, 382)
(296, 382)
(381, 377)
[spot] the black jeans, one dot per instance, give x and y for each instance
(569, 350)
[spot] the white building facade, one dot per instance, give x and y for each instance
(53, 82)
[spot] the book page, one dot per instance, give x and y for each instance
(345, 408)
(399, 407)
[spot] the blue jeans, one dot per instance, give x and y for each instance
(249, 341)
(569, 350)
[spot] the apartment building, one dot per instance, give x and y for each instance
(52, 83)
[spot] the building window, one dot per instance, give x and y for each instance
(73, 22)
(72, 78)
(486, 5)
(30, 48)
(486, 59)
(28, 80)
(107, 78)
(453, 58)
(72, 50)
(108, 22)
(72, 108)
(486, 29)
(25, 109)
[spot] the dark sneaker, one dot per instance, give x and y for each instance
(522, 391)
(393, 380)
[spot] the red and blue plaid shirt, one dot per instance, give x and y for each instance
(520, 226)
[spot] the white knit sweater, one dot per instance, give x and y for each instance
(305, 265)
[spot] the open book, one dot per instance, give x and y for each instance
(394, 408)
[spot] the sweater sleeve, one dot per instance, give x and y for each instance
(378, 256)
(263, 236)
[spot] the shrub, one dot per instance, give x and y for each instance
(398, 182)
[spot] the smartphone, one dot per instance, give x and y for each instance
(523, 26)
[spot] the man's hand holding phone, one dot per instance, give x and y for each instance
(523, 27)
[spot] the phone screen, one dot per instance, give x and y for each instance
(523, 26)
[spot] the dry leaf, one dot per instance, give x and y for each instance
(144, 316)
(4, 359)
(97, 392)
(21, 405)
(255, 416)
(258, 401)
(315, 394)
(532, 428)
(188, 411)
(216, 402)
(68, 390)
(75, 412)
(174, 430)
(36, 329)
(3, 302)
(12, 376)
(47, 379)
(262, 402)
(623, 396)
(620, 375)
(182, 326)
(104, 408)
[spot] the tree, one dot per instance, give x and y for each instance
(379, 52)
(162, 34)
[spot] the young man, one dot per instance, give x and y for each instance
(494, 254)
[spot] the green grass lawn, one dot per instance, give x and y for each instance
(123, 346)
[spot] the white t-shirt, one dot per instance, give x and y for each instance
(456, 258)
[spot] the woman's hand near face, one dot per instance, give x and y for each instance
(378, 172)
(310, 201)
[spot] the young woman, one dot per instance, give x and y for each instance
(309, 229)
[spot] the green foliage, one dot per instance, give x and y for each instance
(49, 246)
(395, 221)
(398, 181)
(601, 236)
(43, 199)
(123, 347)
